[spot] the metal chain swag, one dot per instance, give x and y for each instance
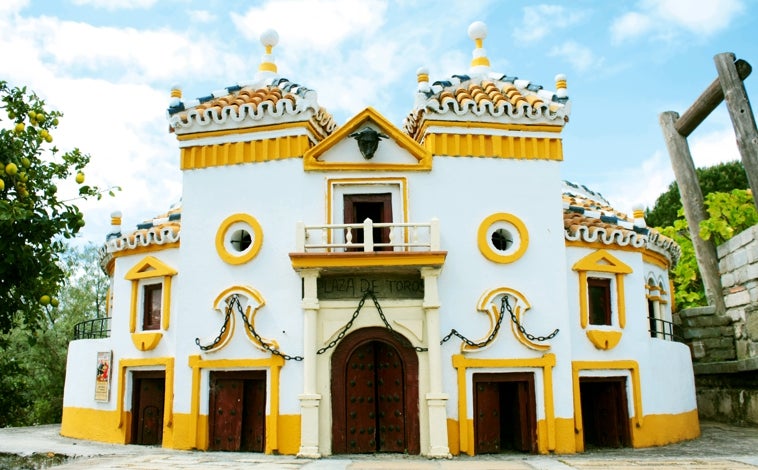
(230, 304)
(504, 304)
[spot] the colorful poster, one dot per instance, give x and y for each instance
(103, 377)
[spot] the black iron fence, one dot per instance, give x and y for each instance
(665, 330)
(93, 329)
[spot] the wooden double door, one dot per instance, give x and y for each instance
(374, 394)
(237, 410)
(504, 413)
(148, 398)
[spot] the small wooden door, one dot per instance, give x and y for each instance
(605, 413)
(377, 207)
(148, 396)
(374, 397)
(237, 411)
(505, 413)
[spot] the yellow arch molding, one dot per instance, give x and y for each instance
(487, 305)
(254, 299)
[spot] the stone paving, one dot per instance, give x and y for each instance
(721, 447)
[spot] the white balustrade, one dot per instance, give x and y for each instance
(331, 238)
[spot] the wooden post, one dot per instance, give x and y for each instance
(694, 210)
(743, 120)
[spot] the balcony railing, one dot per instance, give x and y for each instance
(665, 330)
(335, 238)
(93, 329)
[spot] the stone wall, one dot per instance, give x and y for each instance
(738, 264)
(725, 346)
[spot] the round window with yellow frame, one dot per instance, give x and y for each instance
(502, 238)
(239, 238)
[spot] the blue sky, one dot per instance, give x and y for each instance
(108, 65)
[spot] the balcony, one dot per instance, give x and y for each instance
(93, 329)
(348, 246)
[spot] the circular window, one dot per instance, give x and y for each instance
(239, 238)
(502, 238)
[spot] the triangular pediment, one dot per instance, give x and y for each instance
(149, 267)
(350, 148)
(602, 261)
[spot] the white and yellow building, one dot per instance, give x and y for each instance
(432, 289)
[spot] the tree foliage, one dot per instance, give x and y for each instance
(729, 213)
(34, 220)
(33, 360)
(718, 178)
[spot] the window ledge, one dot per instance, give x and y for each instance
(146, 341)
(604, 339)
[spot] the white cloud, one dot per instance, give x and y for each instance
(338, 20)
(663, 18)
(115, 4)
(580, 57)
(643, 184)
(12, 6)
(201, 16)
(540, 20)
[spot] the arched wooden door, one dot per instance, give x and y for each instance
(374, 394)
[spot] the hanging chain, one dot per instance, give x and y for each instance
(530, 337)
(221, 333)
(504, 304)
(230, 304)
(366, 294)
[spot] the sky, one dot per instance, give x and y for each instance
(109, 66)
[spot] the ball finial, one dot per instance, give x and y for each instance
(269, 38)
(477, 30)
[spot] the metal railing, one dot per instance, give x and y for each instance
(93, 329)
(665, 330)
(331, 238)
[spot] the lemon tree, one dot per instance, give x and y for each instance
(34, 221)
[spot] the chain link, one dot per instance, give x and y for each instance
(504, 304)
(221, 333)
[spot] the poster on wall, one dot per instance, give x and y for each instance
(103, 377)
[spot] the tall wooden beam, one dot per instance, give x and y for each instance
(694, 209)
(708, 101)
(741, 113)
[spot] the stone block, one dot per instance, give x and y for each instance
(718, 355)
(740, 347)
(737, 296)
(701, 333)
(752, 349)
(726, 331)
(697, 311)
(728, 280)
(752, 252)
(710, 320)
(698, 350)
(751, 325)
(752, 270)
(726, 265)
(739, 259)
(736, 314)
(739, 330)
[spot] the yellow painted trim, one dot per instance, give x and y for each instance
(631, 366)
(375, 259)
(255, 246)
(649, 256)
(483, 242)
(601, 261)
(168, 404)
(257, 129)
(423, 158)
(146, 341)
(461, 363)
(149, 267)
(142, 250)
(494, 146)
(486, 305)
(250, 314)
(273, 363)
(657, 259)
(489, 125)
(92, 424)
(603, 339)
(235, 153)
(331, 183)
